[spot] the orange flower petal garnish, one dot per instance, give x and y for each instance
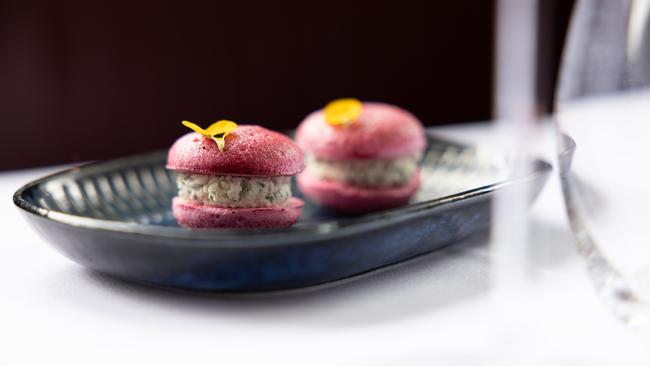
(217, 131)
(343, 111)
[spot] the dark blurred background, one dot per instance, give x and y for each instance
(84, 80)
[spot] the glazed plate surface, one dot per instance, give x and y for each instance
(115, 217)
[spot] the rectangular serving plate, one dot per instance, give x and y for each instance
(115, 217)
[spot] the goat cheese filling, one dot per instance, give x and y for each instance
(230, 191)
(365, 173)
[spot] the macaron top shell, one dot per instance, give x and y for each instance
(249, 151)
(382, 131)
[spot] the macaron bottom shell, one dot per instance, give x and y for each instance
(346, 198)
(196, 215)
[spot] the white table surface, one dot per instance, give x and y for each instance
(438, 309)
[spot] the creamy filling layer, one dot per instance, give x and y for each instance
(365, 173)
(229, 191)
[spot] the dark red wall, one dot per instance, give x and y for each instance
(84, 80)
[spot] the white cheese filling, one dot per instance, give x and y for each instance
(230, 191)
(365, 173)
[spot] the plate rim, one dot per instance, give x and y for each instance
(320, 231)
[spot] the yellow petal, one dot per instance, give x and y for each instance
(342, 111)
(195, 128)
(217, 131)
(221, 142)
(221, 127)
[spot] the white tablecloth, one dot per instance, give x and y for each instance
(438, 309)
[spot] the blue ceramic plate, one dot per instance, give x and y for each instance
(114, 217)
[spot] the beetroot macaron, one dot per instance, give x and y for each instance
(361, 156)
(233, 176)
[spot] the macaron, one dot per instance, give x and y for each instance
(361, 156)
(232, 176)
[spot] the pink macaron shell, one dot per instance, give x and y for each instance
(382, 131)
(353, 199)
(249, 151)
(197, 215)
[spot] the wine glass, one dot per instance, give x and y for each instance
(603, 119)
